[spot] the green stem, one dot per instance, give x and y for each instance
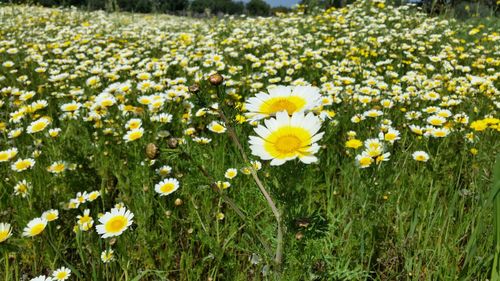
(228, 200)
(6, 266)
(232, 134)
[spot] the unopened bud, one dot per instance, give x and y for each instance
(178, 202)
(195, 88)
(299, 235)
(172, 142)
(152, 151)
(216, 79)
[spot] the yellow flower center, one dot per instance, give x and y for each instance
(290, 104)
(374, 152)
(365, 161)
(84, 219)
(288, 142)
(354, 143)
(107, 103)
(144, 100)
(23, 165)
(4, 156)
(134, 125)
(37, 229)
(168, 187)
(22, 188)
(70, 107)
(135, 135)
(39, 126)
(58, 168)
(116, 224)
(4, 235)
(436, 122)
(390, 136)
(420, 158)
(51, 217)
(61, 275)
(218, 128)
(439, 134)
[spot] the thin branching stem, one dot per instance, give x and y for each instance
(232, 134)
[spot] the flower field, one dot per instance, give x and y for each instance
(348, 144)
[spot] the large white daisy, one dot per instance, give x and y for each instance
(287, 137)
(114, 222)
(282, 98)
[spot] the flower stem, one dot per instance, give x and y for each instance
(228, 200)
(232, 134)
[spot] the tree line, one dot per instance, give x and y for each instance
(253, 7)
(236, 7)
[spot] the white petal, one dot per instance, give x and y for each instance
(317, 137)
(280, 91)
(277, 162)
(272, 124)
(262, 131)
(297, 119)
(256, 141)
(308, 159)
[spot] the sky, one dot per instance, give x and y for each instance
(274, 3)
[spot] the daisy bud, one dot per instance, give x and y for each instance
(216, 79)
(172, 143)
(299, 235)
(303, 222)
(195, 88)
(178, 202)
(152, 151)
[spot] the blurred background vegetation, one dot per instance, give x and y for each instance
(459, 8)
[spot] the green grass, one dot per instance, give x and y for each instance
(400, 220)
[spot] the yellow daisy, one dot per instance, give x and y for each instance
(287, 137)
(133, 135)
(282, 98)
(216, 127)
(51, 215)
(35, 227)
(57, 167)
(420, 156)
(61, 274)
(23, 164)
(8, 154)
(5, 231)
(107, 256)
(38, 125)
(114, 222)
(231, 173)
(167, 186)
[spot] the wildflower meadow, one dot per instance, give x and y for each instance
(356, 143)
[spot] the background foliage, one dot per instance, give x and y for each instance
(461, 8)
